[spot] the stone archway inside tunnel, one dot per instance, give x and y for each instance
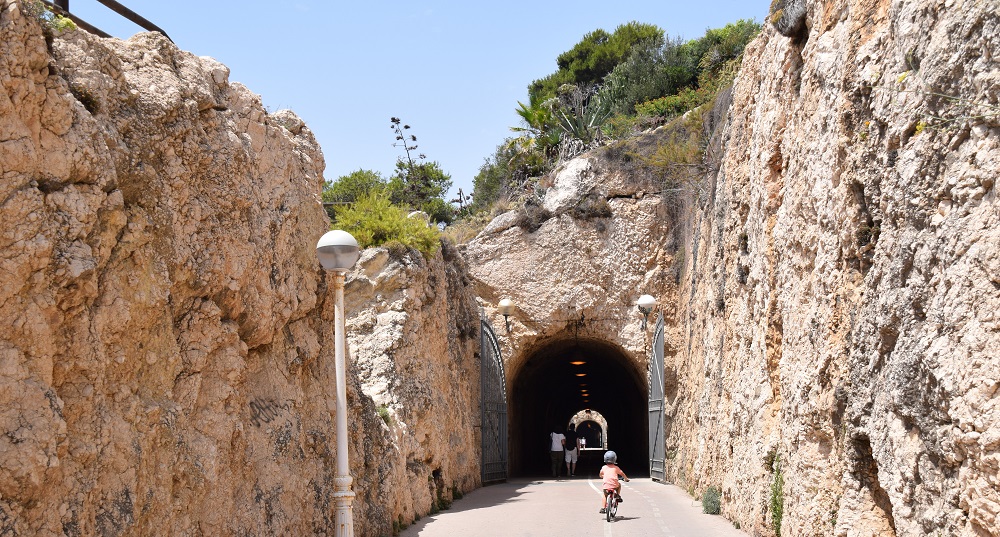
(592, 435)
(592, 428)
(559, 379)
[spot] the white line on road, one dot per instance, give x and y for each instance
(591, 483)
(607, 526)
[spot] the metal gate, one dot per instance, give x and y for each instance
(657, 459)
(493, 406)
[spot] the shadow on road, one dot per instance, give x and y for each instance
(490, 496)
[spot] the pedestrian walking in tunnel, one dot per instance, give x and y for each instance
(572, 449)
(557, 442)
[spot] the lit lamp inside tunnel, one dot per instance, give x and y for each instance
(338, 251)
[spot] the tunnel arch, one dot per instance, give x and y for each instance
(593, 427)
(546, 393)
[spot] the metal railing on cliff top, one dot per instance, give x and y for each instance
(61, 7)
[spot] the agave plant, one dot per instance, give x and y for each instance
(581, 113)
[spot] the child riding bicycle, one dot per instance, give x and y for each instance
(609, 473)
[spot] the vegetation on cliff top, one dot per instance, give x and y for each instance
(613, 86)
(607, 89)
(375, 221)
(374, 209)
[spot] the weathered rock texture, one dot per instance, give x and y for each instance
(166, 362)
(414, 335)
(574, 265)
(844, 285)
(592, 251)
(834, 325)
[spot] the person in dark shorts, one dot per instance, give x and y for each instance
(572, 449)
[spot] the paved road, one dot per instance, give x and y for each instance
(568, 507)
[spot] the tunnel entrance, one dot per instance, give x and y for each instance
(563, 378)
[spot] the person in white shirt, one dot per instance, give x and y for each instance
(556, 450)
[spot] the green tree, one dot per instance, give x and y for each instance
(654, 68)
(540, 131)
(350, 187)
(668, 77)
(538, 120)
(545, 88)
(491, 182)
(347, 188)
(590, 60)
(422, 186)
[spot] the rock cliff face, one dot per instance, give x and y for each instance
(842, 291)
(166, 366)
(413, 330)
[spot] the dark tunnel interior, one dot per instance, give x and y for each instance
(549, 389)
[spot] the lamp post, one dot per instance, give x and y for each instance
(338, 251)
(506, 308)
(645, 304)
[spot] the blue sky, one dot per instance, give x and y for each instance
(454, 71)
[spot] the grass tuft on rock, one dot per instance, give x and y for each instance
(710, 501)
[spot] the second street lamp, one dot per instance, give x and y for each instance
(506, 308)
(646, 304)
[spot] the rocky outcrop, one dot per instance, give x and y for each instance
(588, 250)
(413, 330)
(843, 280)
(167, 362)
(574, 260)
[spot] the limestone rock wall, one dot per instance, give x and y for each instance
(830, 293)
(841, 287)
(413, 330)
(166, 365)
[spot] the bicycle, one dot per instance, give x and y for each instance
(612, 501)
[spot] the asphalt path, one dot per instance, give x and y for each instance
(569, 507)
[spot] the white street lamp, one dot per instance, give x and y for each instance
(646, 304)
(338, 251)
(506, 308)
